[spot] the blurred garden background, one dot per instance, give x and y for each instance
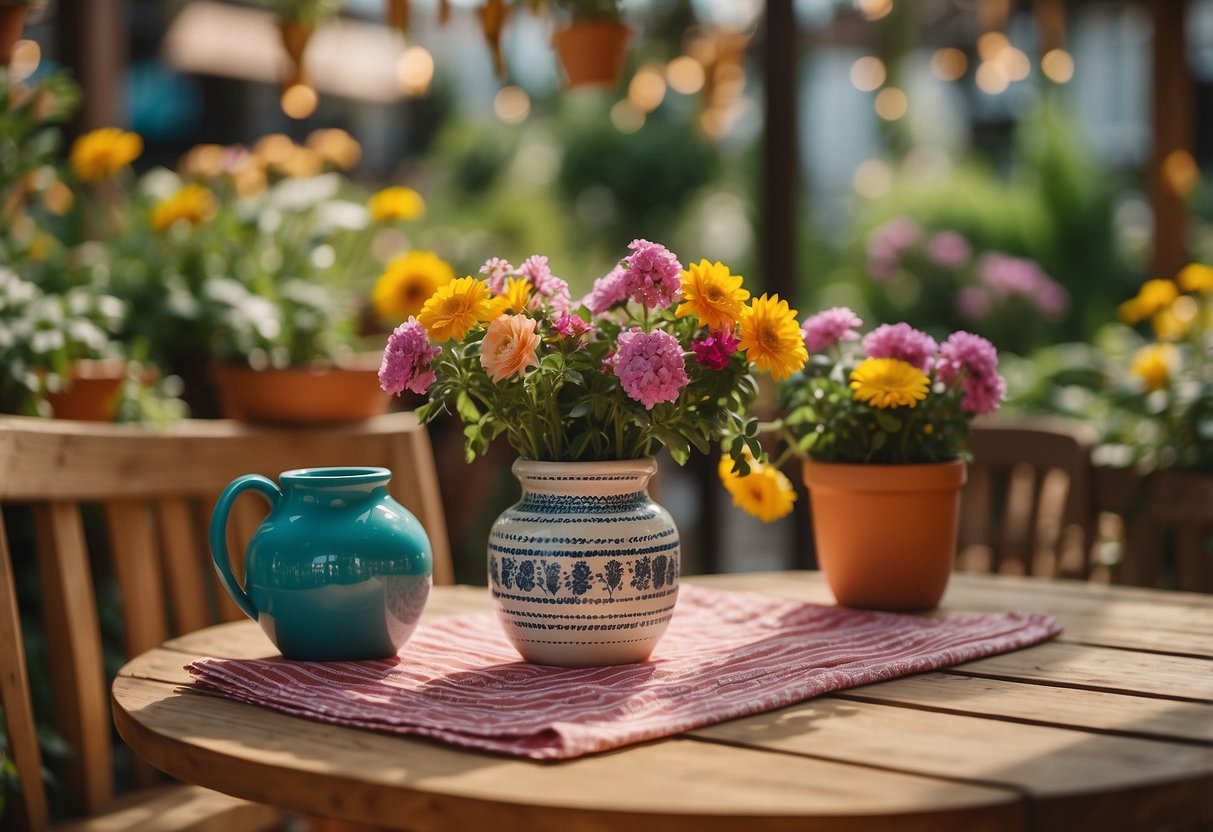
(279, 183)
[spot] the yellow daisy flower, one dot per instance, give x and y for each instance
(408, 282)
(1175, 321)
(765, 492)
(888, 382)
(396, 204)
(1152, 296)
(1153, 365)
(516, 296)
(455, 308)
(771, 338)
(102, 153)
(193, 204)
(712, 295)
(1196, 277)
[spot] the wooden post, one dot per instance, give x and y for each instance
(781, 170)
(95, 40)
(1173, 119)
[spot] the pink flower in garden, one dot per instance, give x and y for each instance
(509, 346)
(974, 361)
(903, 342)
(652, 274)
(714, 350)
(406, 360)
(973, 303)
(497, 270)
(650, 366)
(536, 270)
(570, 325)
(887, 243)
(1006, 276)
(608, 290)
(983, 393)
(830, 326)
(948, 250)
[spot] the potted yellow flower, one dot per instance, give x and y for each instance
(584, 569)
(882, 421)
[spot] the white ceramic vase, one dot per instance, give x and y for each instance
(584, 569)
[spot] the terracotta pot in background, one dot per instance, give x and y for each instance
(592, 52)
(301, 395)
(93, 391)
(12, 23)
(886, 534)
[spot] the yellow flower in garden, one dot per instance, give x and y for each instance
(102, 153)
(193, 204)
(337, 147)
(396, 204)
(1175, 321)
(1152, 296)
(765, 492)
(514, 299)
(771, 338)
(300, 163)
(1153, 365)
(455, 308)
(712, 295)
(888, 382)
(408, 282)
(1196, 277)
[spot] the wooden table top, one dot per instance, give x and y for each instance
(1109, 726)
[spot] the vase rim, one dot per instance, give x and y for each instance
(951, 473)
(645, 465)
(344, 476)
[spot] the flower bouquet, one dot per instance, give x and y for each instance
(586, 392)
(883, 420)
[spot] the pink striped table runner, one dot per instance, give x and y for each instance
(725, 655)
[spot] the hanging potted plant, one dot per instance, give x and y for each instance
(883, 421)
(592, 45)
(297, 22)
(12, 23)
(584, 569)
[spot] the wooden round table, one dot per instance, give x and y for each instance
(1109, 726)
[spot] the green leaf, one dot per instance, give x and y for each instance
(582, 408)
(466, 408)
(888, 421)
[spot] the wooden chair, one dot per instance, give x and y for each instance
(1025, 509)
(154, 491)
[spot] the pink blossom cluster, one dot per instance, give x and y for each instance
(651, 275)
(496, 271)
(406, 360)
(571, 326)
(974, 361)
(903, 342)
(948, 250)
(887, 243)
(609, 290)
(535, 269)
(713, 351)
(650, 366)
(828, 327)
(1004, 277)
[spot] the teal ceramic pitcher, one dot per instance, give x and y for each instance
(338, 570)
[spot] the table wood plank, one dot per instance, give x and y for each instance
(670, 785)
(1063, 771)
(1137, 716)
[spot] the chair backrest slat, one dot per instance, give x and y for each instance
(156, 490)
(184, 571)
(73, 641)
(15, 697)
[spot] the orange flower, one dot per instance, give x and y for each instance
(509, 347)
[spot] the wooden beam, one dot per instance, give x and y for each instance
(1173, 118)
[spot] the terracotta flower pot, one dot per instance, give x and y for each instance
(886, 534)
(92, 393)
(592, 51)
(300, 395)
(12, 23)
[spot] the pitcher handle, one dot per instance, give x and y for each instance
(218, 533)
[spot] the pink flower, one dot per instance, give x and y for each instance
(571, 326)
(497, 270)
(650, 366)
(830, 326)
(973, 303)
(608, 290)
(948, 250)
(509, 346)
(652, 276)
(713, 351)
(974, 361)
(536, 270)
(406, 360)
(887, 243)
(903, 342)
(1006, 276)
